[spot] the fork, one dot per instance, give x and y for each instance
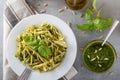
(25, 75)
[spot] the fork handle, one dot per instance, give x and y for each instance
(25, 75)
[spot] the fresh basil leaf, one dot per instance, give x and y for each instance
(92, 27)
(33, 43)
(35, 47)
(26, 38)
(30, 40)
(44, 51)
(42, 42)
(106, 22)
(97, 23)
(83, 26)
(88, 14)
(101, 24)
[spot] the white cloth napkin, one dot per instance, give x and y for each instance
(15, 10)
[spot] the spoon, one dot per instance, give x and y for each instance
(111, 30)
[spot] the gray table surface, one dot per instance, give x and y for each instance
(1, 39)
(111, 8)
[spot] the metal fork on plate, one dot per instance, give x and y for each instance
(25, 74)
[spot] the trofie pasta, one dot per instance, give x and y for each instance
(41, 47)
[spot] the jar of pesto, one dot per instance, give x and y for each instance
(98, 58)
(76, 4)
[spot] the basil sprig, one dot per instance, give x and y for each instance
(94, 20)
(39, 46)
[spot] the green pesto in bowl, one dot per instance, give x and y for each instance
(98, 58)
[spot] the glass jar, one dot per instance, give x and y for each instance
(76, 4)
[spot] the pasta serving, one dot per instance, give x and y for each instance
(41, 47)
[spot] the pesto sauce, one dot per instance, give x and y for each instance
(98, 58)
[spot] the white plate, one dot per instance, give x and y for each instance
(70, 56)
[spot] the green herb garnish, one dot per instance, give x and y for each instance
(94, 20)
(39, 46)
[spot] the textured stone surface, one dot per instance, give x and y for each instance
(1, 39)
(111, 9)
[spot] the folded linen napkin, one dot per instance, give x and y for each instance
(15, 10)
